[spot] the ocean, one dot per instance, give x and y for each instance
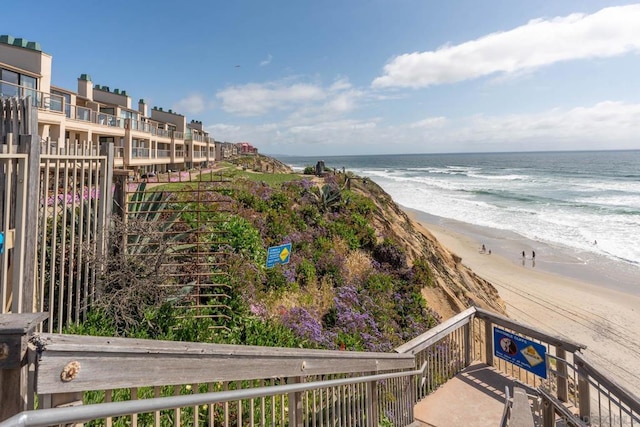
(585, 205)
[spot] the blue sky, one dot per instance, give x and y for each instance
(337, 77)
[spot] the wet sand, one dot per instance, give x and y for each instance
(579, 296)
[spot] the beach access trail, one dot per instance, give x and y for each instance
(607, 321)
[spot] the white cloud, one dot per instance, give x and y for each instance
(429, 122)
(192, 104)
(609, 32)
(266, 61)
(303, 100)
(254, 99)
(340, 84)
(605, 125)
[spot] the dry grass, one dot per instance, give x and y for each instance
(358, 266)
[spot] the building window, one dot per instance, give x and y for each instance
(56, 102)
(13, 79)
(10, 80)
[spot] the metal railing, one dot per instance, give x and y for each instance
(19, 165)
(39, 99)
(601, 401)
(140, 153)
(318, 403)
(294, 386)
(207, 384)
(75, 204)
(75, 112)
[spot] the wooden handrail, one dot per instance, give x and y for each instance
(557, 341)
(107, 363)
(436, 333)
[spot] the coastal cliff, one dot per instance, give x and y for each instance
(452, 286)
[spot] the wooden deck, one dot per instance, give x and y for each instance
(475, 397)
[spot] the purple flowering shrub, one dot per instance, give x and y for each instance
(306, 325)
(319, 295)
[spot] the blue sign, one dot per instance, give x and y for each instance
(520, 351)
(1, 243)
(278, 255)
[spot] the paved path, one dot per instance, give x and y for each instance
(475, 397)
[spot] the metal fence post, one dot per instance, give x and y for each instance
(372, 402)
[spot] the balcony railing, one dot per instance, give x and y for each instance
(178, 135)
(179, 153)
(140, 153)
(78, 113)
(142, 126)
(163, 153)
(42, 100)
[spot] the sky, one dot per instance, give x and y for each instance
(342, 77)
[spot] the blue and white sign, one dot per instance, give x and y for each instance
(278, 255)
(520, 351)
(1, 243)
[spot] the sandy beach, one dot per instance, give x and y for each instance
(556, 292)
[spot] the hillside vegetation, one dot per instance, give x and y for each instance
(361, 275)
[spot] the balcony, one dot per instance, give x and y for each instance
(140, 153)
(78, 113)
(163, 154)
(42, 100)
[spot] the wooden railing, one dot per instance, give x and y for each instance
(144, 382)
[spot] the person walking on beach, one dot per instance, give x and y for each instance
(483, 248)
(533, 254)
(523, 255)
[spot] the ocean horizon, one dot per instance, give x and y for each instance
(584, 205)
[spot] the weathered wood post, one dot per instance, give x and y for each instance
(30, 145)
(488, 341)
(562, 384)
(295, 404)
(584, 395)
(120, 180)
(548, 414)
(15, 332)
(468, 342)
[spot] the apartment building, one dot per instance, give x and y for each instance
(145, 139)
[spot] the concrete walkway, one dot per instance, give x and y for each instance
(475, 397)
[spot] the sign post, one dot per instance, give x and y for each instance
(522, 352)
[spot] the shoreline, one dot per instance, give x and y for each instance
(559, 294)
(585, 267)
